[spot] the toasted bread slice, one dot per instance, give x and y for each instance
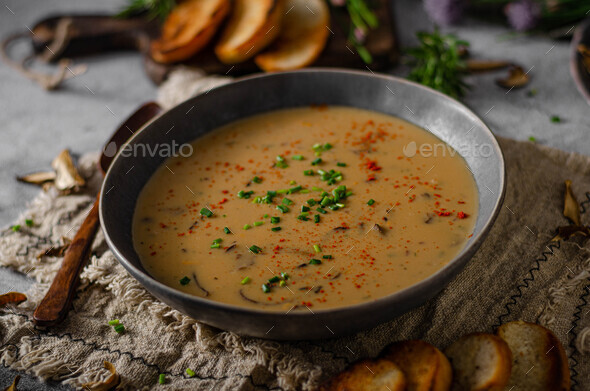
(303, 36)
(539, 362)
(481, 362)
(425, 367)
(188, 28)
(369, 375)
(251, 27)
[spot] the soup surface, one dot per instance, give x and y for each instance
(309, 207)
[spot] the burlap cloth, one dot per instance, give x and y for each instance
(517, 274)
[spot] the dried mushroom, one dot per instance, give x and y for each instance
(65, 178)
(12, 298)
(12, 387)
(110, 383)
(486, 65)
(517, 78)
(56, 251)
(571, 210)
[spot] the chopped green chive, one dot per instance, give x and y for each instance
(282, 191)
(274, 279)
(265, 216)
(258, 223)
(287, 202)
(314, 261)
(184, 280)
(245, 194)
(295, 189)
(326, 201)
(257, 179)
(206, 212)
(316, 161)
(370, 202)
(275, 220)
(316, 218)
(218, 240)
(284, 276)
(245, 280)
(317, 248)
(119, 328)
(216, 243)
(297, 157)
(113, 322)
(315, 188)
(532, 139)
(304, 208)
(255, 249)
(308, 172)
(246, 226)
(348, 193)
(29, 222)
(322, 211)
(555, 118)
(162, 379)
(265, 288)
(226, 230)
(281, 162)
(15, 228)
(275, 229)
(282, 208)
(311, 202)
(327, 256)
(282, 283)
(303, 217)
(340, 164)
(190, 372)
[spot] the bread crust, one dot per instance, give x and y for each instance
(266, 32)
(426, 368)
(361, 375)
(558, 376)
(500, 378)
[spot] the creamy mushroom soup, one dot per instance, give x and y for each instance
(315, 207)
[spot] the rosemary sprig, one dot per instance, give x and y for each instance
(154, 8)
(437, 63)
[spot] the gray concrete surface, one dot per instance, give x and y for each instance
(35, 125)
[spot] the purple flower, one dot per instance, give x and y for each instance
(444, 12)
(523, 14)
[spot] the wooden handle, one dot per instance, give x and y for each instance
(57, 301)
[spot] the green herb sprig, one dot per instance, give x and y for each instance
(437, 63)
(154, 8)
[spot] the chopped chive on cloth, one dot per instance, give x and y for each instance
(518, 273)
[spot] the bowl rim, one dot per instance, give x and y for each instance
(146, 278)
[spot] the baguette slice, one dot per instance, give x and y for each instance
(251, 27)
(188, 28)
(369, 375)
(303, 36)
(481, 362)
(539, 362)
(425, 367)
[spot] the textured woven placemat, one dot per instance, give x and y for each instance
(517, 274)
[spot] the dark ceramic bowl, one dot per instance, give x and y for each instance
(446, 118)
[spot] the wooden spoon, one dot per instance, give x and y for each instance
(58, 299)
